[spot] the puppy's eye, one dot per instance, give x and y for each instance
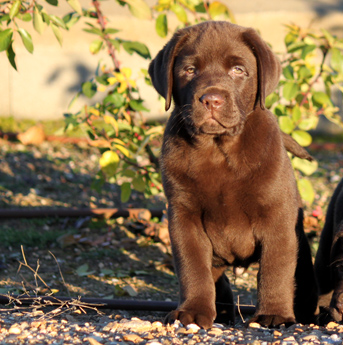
(190, 70)
(238, 70)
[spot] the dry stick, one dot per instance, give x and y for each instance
(35, 272)
(102, 24)
(59, 268)
(239, 309)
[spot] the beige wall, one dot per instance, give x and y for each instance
(47, 80)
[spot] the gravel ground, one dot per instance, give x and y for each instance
(18, 328)
(55, 175)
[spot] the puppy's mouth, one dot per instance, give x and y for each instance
(213, 126)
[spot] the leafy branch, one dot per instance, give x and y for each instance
(115, 122)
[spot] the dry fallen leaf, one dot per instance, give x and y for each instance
(33, 136)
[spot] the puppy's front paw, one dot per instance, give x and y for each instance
(187, 317)
(336, 306)
(272, 320)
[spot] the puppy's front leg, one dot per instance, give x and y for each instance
(192, 252)
(276, 279)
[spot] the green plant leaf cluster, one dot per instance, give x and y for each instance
(14, 13)
(129, 148)
(189, 12)
(311, 70)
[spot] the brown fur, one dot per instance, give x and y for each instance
(232, 196)
(329, 259)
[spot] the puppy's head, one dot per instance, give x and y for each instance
(217, 73)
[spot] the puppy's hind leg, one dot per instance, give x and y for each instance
(225, 306)
(336, 304)
(306, 291)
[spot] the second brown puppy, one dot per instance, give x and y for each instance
(232, 195)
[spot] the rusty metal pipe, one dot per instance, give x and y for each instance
(101, 303)
(73, 212)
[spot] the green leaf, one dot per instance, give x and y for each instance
(27, 39)
(137, 105)
(26, 17)
(46, 17)
(161, 25)
(329, 37)
(102, 79)
(70, 19)
(286, 124)
(306, 190)
(94, 31)
(306, 167)
(200, 8)
(117, 100)
(15, 9)
(271, 99)
(139, 9)
(336, 60)
(129, 173)
(302, 137)
(306, 50)
(82, 271)
(321, 98)
(58, 21)
(89, 89)
(75, 5)
(111, 31)
(138, 183)
(5, 39)
(95, 46)
(52, 2)
(107, 272)
(109, 162)
(11, 56)
(116, 43)
(180, 12)
(38, 22)
(280, 110)
(137, 47)
(293, 47)
(290, 38)
(288, 72)
(125, 192)
(217, 10)
(4, 17)
(290, 90)
(296, 114)
(57, 33)
(309, 123)
(304, 72)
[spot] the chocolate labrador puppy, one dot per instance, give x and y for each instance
(232, 195)
(329, 259)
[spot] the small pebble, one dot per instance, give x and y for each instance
(14, 330)
(332, 324)
(277, 333)
(132, 337)
(193, 327)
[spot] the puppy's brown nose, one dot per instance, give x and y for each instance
(212, 101)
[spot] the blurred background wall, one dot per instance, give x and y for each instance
(47, 80)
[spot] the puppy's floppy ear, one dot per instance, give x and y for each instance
(161, 68)
(268, 65)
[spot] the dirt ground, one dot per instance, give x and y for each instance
(106, 258)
